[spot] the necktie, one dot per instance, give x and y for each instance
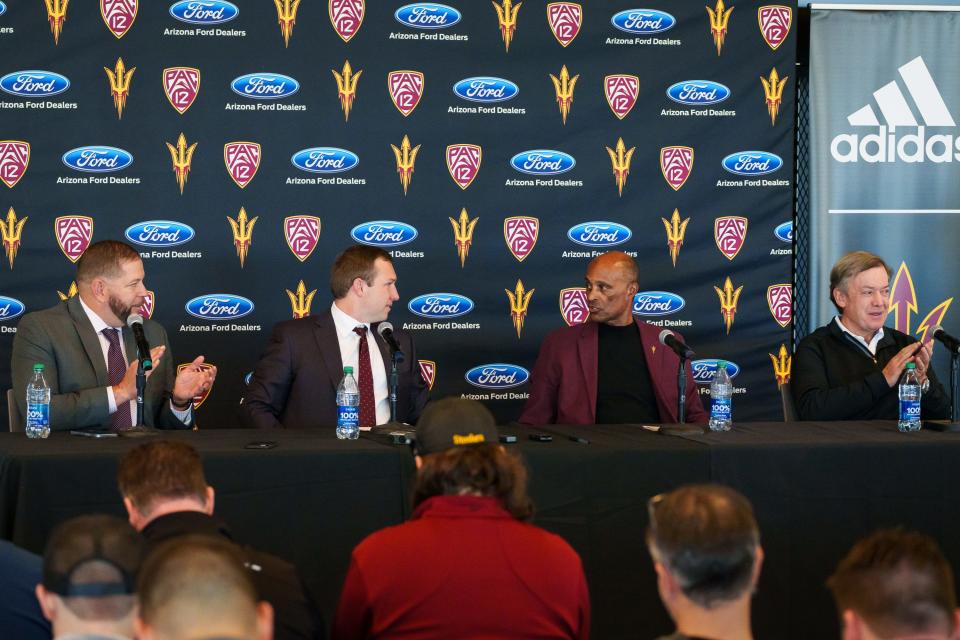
(116, 367)
(368, 408)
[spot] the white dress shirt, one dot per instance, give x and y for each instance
(350, 356)
(870, 346)
(98, 326)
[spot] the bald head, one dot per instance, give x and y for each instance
(611, 284)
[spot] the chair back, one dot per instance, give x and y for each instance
(786, 400)
(13, 414)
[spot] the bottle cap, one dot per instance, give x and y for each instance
(721, 364)
(348, 370)
(911, 365)
(38, 367)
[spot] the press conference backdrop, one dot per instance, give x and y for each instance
(492, 150)
(885, 103)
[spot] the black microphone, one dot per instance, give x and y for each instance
(385, 329)
(135, 322)
(951, 343)
(669, 339)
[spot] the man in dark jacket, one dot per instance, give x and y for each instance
(166, 495)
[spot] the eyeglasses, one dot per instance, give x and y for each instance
(652, 505)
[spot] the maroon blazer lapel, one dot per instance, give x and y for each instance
(328, 344)
(587, 351)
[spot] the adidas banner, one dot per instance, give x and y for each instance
(885, 157)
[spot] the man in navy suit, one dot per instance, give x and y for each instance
(294, 384)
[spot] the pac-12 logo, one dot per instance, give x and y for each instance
(97, 159)
(346, 16)
(520, 233)
(565, 20)
(182, 85)
(599, 233)
(74, 234)
(118, 15)
(698, 92)
(10, 308)
(302, 234)
(497, 376)
(543, 162)
(657, 303)
(159, 233)
(752, 163)
(406, 89)
(463, 163)
(573, 305)
(784, 231)
(427, 15)
(219, 306)
(384, 233)
(325, 160)
(780, 303)
(676, 164)
(775, 23)
(265, 86)
(704, 370)
(441, 305)
(643, 21)
(34, 84)
(729, 232)
(242, 160)
(204, 11)
(485, 89)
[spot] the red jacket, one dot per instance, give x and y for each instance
(564, 381)
(463, 568)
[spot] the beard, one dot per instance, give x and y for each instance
(121, 310)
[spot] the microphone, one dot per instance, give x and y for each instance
(135, 322)
(385, 329)
(951, 343)
(669, 338)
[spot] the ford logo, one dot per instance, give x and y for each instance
(3, 8)
(643, 21)
(497, 376)
(599, 234)
(219, 306)
(784, 231)
(97, 159)
(159, 233)
(657, 303)
(325, 160)
(427, 15)
(752, 163)
(248, 377)
(34, 84)
(265, 86)
(543, 162)
(441, 305)
(10, 308)
(698, 92)
(486, 89)
(383, 233)
(703, 370)
(204, 11)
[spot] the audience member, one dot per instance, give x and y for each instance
(466, 565)
(20, 614)
(706, 551)
(896, 584)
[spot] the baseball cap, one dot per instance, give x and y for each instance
(453, 422)
(92, 556)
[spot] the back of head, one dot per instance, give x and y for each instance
(707, 537)
(355, 262)
(103, 259)
(197, 587)
(898, 582)
(91, 563)
(161, 470)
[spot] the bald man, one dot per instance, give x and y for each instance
(611, 369)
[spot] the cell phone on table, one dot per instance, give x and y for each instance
(260, 444)
(93, 433)
(541, 437)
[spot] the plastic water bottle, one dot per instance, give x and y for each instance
(721, 401)
(38, 405)
(348, 406)
(910, 392)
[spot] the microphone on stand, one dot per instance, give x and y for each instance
(669, 338)
(951, 343)
(135, 322)
(385, 329)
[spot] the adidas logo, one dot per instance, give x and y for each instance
(896, 110)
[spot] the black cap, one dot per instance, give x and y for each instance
(76, 543)
(454, 422)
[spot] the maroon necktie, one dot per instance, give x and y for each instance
(368, 408)
(116, 367)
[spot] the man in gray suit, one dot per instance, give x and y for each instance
(89, 354)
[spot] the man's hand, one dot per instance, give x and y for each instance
(193, 380)
(894, 368)
(923, 361)
(126, 389)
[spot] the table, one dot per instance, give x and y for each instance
(816, 488)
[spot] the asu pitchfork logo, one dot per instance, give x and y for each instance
(519, 303)
(781, 364)
(564, 86)
(773, 93)
(463, 234)
(346, 87)
(719, 19)
(406, 158)
(12, 232)
(728, 302)
(507, 18)
(182, 157)
(119, 79)
(56, 16)
(301, 301)
(676, 230)
(242, 233)
(286, 17)
(620, 158)
(903, 304)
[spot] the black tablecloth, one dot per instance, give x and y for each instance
(816, 488)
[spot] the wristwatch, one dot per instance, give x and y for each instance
(925, 386)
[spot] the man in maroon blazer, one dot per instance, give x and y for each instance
(294, 385)
(611, 369)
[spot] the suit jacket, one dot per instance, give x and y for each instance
(20, 614)
(294, 384)
(64, 341)
(564, 380)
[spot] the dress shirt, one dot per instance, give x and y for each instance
(869, 346)
(350, 355)
(98, 326)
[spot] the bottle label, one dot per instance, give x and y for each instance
(38, 415)
(721, 409)
(348, 416)
(910, 410)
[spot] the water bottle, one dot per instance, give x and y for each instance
(348, 406)
(721, 405)
(909, 391)
(38, 405)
